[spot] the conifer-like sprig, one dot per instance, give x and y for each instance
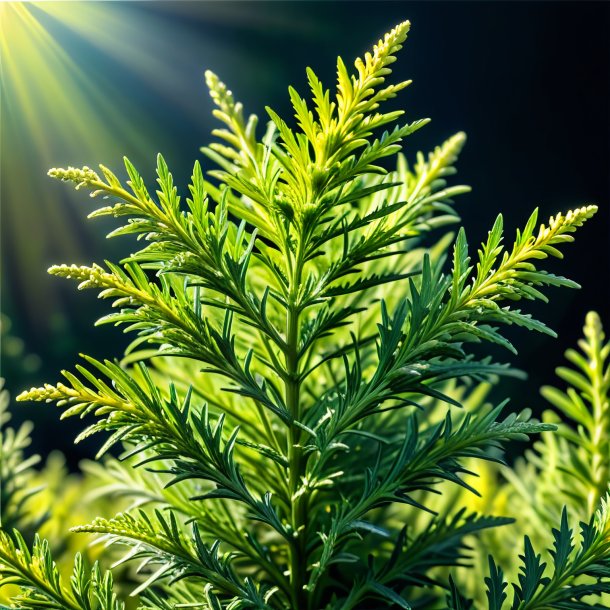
(587, 403)
(576, 459)
(160, 540)
(567, 468)
(422, 342)
(35, 573)
(579, 573)
(139, 413)
(297, 317)
(16, 469)
(441, 543)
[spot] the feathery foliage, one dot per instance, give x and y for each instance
(293, 321)
(585, 455)
(576, 575)
(16, 470)
(576, 459)
(35, 572)
(566, 469)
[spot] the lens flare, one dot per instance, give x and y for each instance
(82, 83)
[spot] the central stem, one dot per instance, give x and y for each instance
(297, 550)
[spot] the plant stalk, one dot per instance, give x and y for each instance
(298, 517)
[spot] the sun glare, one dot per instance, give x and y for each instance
(67, 99)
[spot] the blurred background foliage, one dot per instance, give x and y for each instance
(89, 82)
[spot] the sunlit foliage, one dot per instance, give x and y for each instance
(294, 319)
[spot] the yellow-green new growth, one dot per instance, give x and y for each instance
(515, 276)
(84, 176)
(35, 572)
(586, 402)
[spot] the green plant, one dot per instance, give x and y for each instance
(566, 468)
(48, 501)
(307, 349)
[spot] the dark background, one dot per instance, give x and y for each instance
(527, 81)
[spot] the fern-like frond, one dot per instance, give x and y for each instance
(203, 244)
(577, 576)
(574, 461)
(159, 544)
(41, 585)
(415, 557)
(169, 315)
(587, 403)
(422, 341)
(422, 460)
(184, 435)
(16, 469)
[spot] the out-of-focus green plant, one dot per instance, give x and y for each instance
(13, 350)
(309, 343)
(45, 501)
(568, 468)
(16, 471)
(576, 460)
